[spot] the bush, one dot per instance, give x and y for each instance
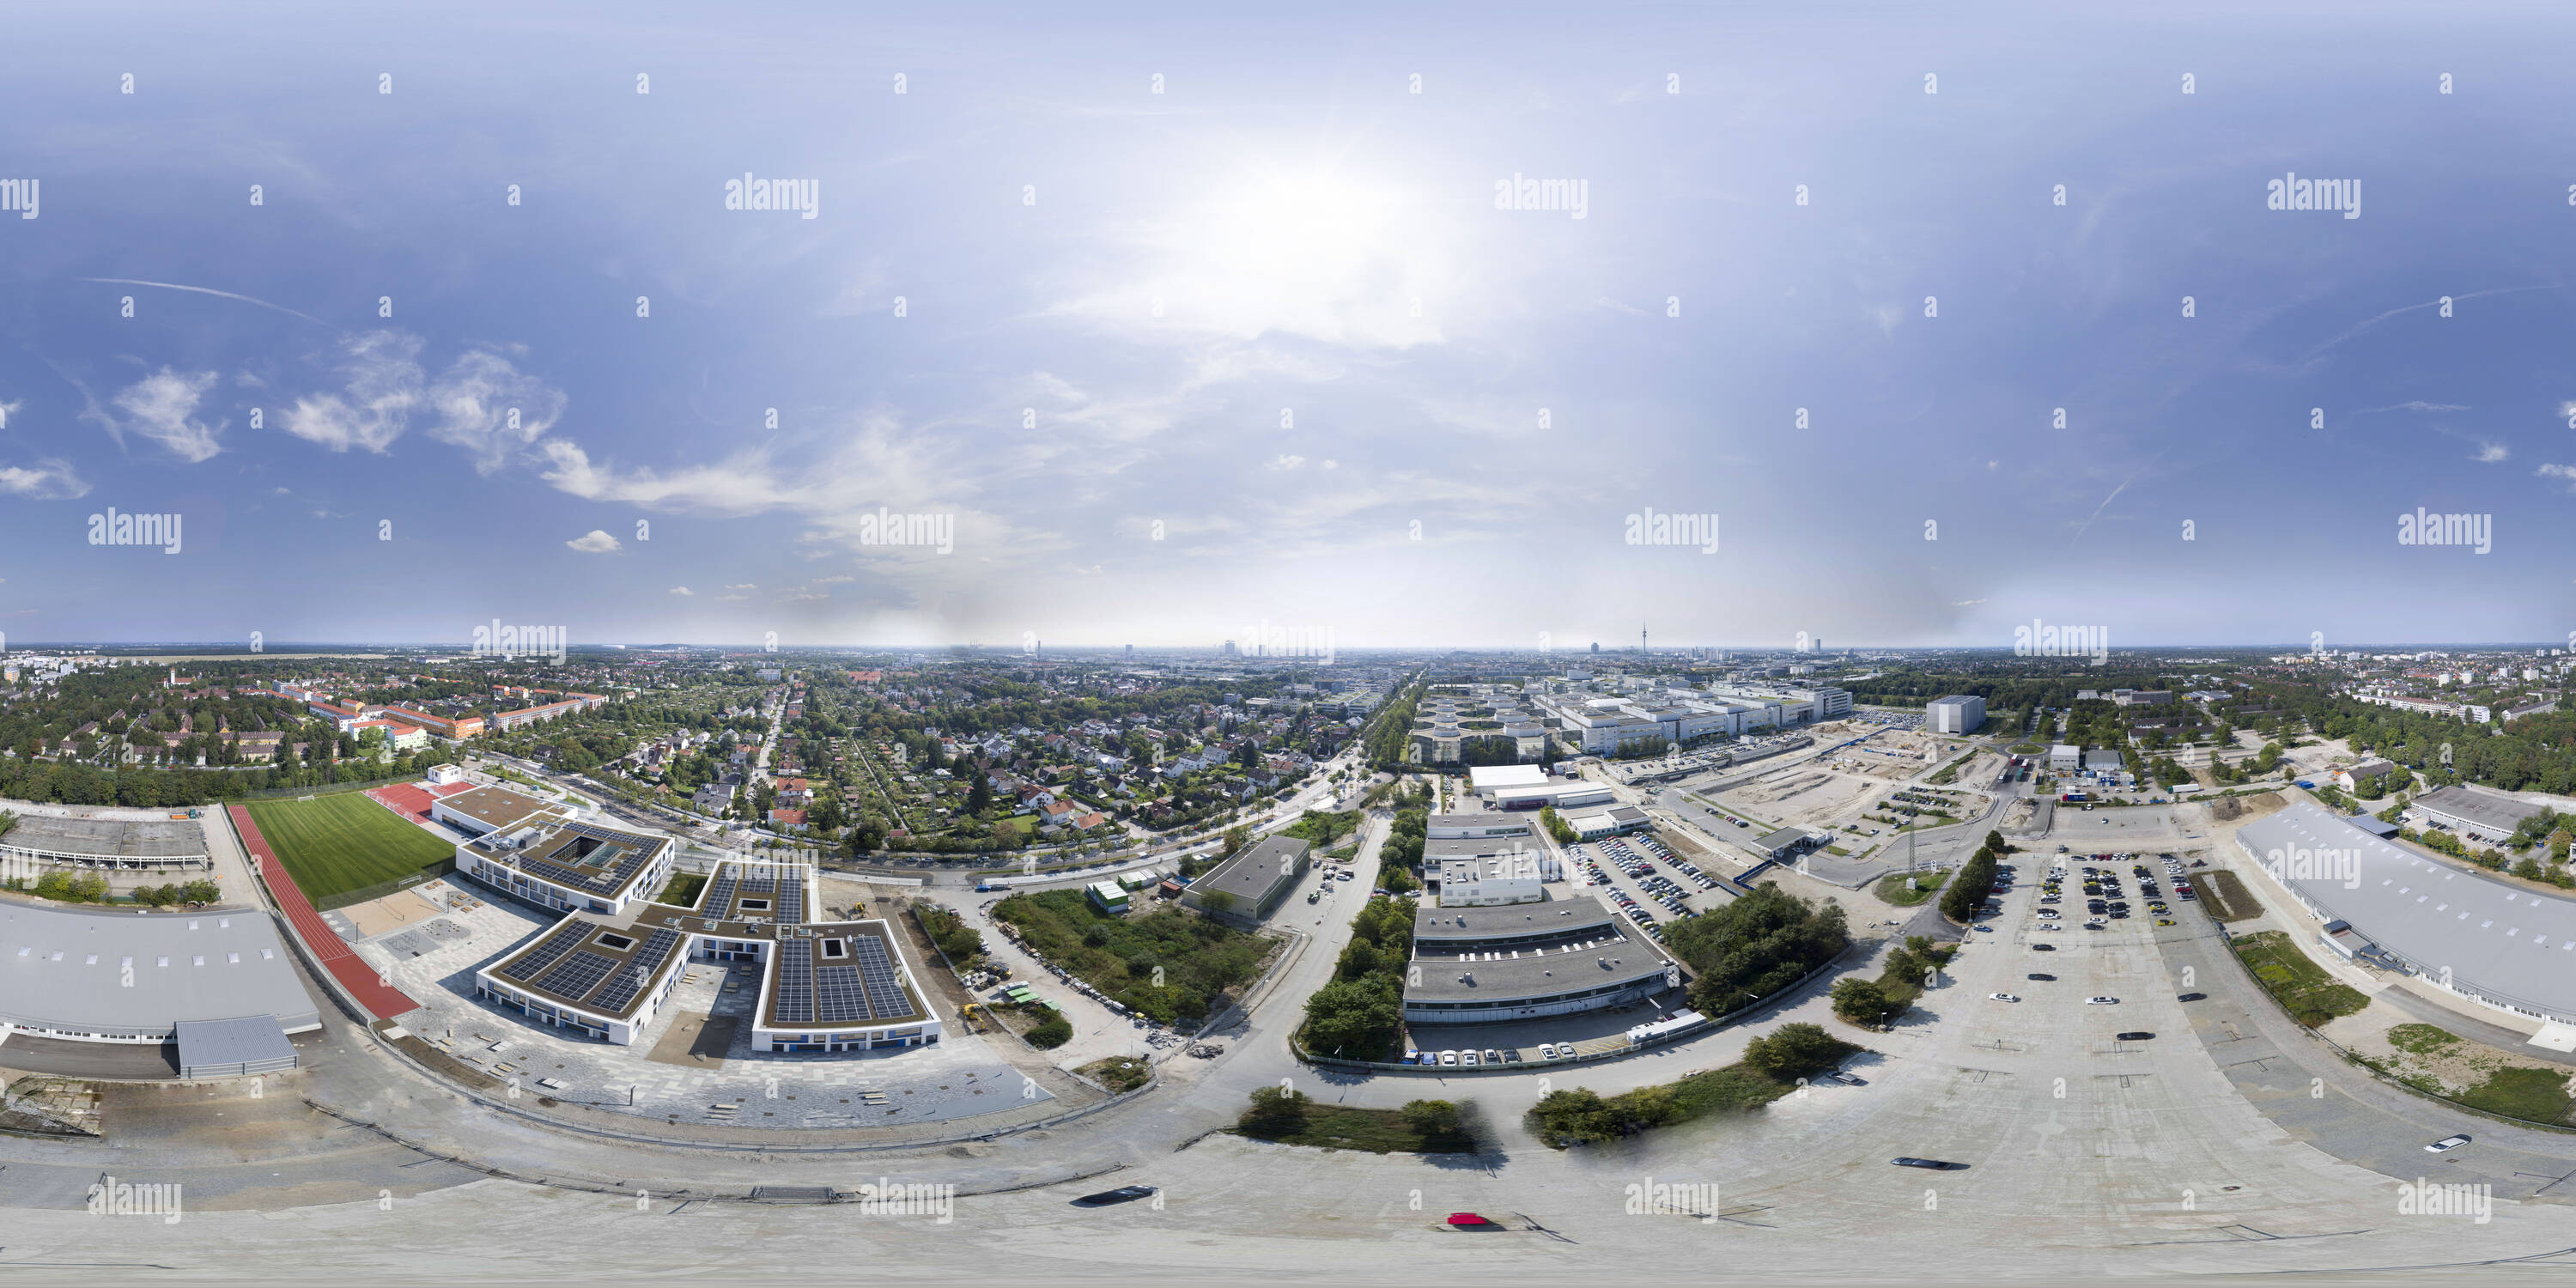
(1862, 1002)
(1051, 1034)
(1275, 1111)
(1431, 1118)
(1797, 1051)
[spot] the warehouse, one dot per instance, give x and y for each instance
(2475, 814)
(1247, 888)
(118, 977)
(1485, 965)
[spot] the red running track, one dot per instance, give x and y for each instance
(326, 946)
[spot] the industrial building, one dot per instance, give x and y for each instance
(2495, 944)
(1957, 713)
(119, 977)
(1483, 882)
(1253, 883)
(2474, 813)
(1483, 965)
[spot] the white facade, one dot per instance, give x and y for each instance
(1476, 883)
(1958, 713)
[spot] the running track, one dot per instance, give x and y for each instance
(326, 946)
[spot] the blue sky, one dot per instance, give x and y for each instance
(1274, 310)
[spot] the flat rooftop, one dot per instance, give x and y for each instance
(587, 857)
(67, 971)
(1582, 917)
(818, 975)
(2485, 809)
(1249, 875)
(1518, 822)
(495, 806)
(107, 838)
(1506, 973)
(2496, 939)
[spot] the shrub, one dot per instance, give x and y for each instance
(1862, 1001)
(1275, 1111)
(1796, 1051)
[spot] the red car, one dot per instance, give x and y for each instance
(1471, 1221)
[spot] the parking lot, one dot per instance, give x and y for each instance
(1644, 880)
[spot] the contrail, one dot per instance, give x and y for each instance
(206, 290)
(2115, 495)
(2501, 290)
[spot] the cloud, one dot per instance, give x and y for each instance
(748, 585)
(595, 542)
(802, 596)
(737, 593)
(489, 407)
(382, 375)
(2417, 404)
(834, 580)
(2490, 453)
(1283, 462)
(163, 408)
(682, 590)
(1966, 603)
(2563, 473)
(51, 480)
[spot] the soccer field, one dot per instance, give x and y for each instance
(334, 844)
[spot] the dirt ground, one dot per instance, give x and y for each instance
(390, 913)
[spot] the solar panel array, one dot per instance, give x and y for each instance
(794, 1002)
(719, 900)
(630, 979)
(545, 952)
(631, 854)
(884, 993)
(577, 975)
(837, 995)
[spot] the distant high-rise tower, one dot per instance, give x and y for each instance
(1131, 651)
(1641, 637)
(1596, 646)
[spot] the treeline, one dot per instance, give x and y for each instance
(1356, 1016)
(65, 784)
(1976, 880)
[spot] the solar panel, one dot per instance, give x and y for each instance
(577, 975)
(837, 996)
(795, 1000)
(545, 953)
(630, 979)
(885, 994)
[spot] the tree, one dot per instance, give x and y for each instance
(1795, 1051)
(1355, 1019)
(1431, 1119)
(1862, 1001)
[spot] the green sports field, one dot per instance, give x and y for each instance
(335, 844)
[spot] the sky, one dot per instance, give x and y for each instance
(1165, 326)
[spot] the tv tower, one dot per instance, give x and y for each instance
(1641, 637)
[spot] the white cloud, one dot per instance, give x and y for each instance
(2563, 473)
(748, 585)
(1282, 462)
(479, 398)
(163, 408)
(835, 580)
(51, 480)
(1966, 603)
(682, 590)
(383, 379)
(595, 542)
(801, 596)
(2490, 453)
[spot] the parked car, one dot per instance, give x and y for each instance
(2446, 1144)
(2101, 1001)
(1933, 1164)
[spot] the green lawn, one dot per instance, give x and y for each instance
(1893, 887)
(2539, 1095)
(1168, 963)
(335, 844)
(2310, 995)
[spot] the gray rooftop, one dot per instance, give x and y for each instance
(1503, 974)
(107, 837)
(66, 971)
(1481, 819)
(2486, 809)
(1782, 839)
(233, 1048)
(1249, 875)
(2496, 939)
(1580, 916)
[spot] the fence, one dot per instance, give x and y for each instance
(382, 888)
